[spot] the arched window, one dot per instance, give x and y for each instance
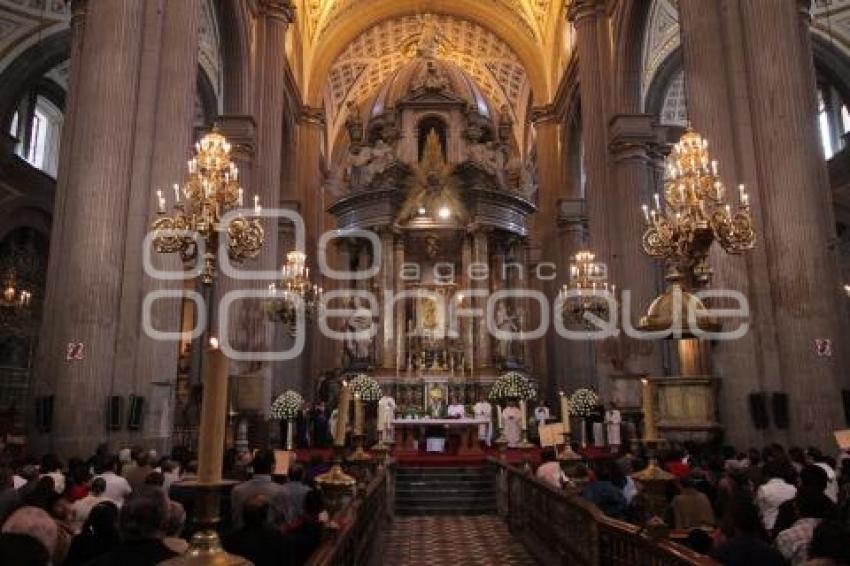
(40, 135)
(674, 110)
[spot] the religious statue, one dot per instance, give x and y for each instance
(364, 163)
(505, 323)
(358, 341)
(354, 123)
(427, 45)
(432, 78)
(528, 184)
(490, 157)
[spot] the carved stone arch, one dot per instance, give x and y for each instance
(27, 69)
(26, 216)
(660, 83)
(833, 65)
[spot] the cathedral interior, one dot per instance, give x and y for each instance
(449, 189)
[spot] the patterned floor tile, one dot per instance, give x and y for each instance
(472, 541)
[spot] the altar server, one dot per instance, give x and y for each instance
(484, 410)
(511, 418)
(386, 413)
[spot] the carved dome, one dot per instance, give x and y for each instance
(423, 75)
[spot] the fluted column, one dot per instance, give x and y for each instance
(148, 367)
(718, 91)
(798, 224)
(632, 270)
(87, 242)
(592, 35)
(480, 255)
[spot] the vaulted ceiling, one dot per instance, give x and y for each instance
(531, 15)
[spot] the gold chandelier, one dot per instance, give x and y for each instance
(295, 281)
(210, 192)
(586, 291)
(694, 213)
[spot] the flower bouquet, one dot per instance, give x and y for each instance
(513, 385)
(366, 387)
(287, 405)
(583, 401)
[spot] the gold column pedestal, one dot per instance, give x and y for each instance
(360, 455)
(655, 481)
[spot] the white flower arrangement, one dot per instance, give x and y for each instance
(583, 401)
(366, 386)
(287, 405)
(513, 385)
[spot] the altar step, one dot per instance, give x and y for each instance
(445, 491)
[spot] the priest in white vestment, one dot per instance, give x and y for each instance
(511, 419)
(386, 412)
(613, 419)
(484, 410)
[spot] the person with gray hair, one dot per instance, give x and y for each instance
(36, 523)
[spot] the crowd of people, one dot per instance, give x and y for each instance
(130, 508)
(766, 507)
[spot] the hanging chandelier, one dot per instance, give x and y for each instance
(587, 290)
(210, 192)
(694, 213)
(294, 282)
(12, 297)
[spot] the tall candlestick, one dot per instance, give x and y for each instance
(358, 414)
(176, 192)
(523, 415)
(565, 411)
(650, 433)
(499, 422)
(342, 415)
(160, 201)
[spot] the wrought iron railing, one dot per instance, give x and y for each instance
(362, 523)
(565, 529)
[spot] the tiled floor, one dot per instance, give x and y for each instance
(437, 541)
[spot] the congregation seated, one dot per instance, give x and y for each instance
(261, 484)
(257, 539)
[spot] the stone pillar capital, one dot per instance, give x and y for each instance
(632, 136)
(572, 213)
(579, 10)
(281, 10)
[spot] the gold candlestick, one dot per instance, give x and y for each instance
(342, 415)
(358, 414)
(650, 433)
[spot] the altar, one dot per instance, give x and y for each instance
(461, 434)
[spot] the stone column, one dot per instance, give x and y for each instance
(87, 241)
(718, 89)
(164, 135)
(631, 269)
(799, 226)
(481, 256)
(270, 83)
(387, 283)
(588, 17)
(400, 312)
(468, 325)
